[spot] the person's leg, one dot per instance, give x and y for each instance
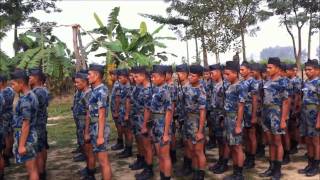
(32, 169)
(201, 159)
(272, 155)
(104, 165)
(286, 146)
(40, 162)
(164, 160)
(279, 155)
(1, 166)
(91, 160)
(314, 169)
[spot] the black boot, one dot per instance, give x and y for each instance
(222, 168)
(276, 175)
(251, 162)
(43, 176)
(186, 169)
(294, 147)
(138, 164)
(119, 145)
(195, 174)
(232, 176)
(6, 159)
(146, 174)
(269, 171)
(286, 158)
(261, 151)
(163, 177)
(216, 165)
(173, 156)
(201, 175)
(306, 169)
(90, 175)
(79, 158)
(127, 152)
(239, 174)
(314, 168)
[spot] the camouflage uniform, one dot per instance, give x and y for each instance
(75, 110)
(235, 93)
(137, 109)
(97, 100)
(172, 88)
(114, 92)
(260, 99)
(26, 109)
(160, 103)
(195, 99)
(208, 86)
(7, 114)
(296, 88)
(1, 125)
(252, 87)
(274, 93)
(180, 106)
(42, 116)
(123, 92)
(310, 107)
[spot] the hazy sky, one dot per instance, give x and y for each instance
(81, 12)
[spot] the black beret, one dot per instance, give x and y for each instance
(215, 67)
(182, 68)
(159, 69)
(246, 64)
(232, 65)
(255, 67)
(19, 74)
(3, 78)
(81, 75)
(196, 69)
(96, 67)
(139, 69)
(283, 66)
(206, 69)
(263, 68)
(290, 66)
(275, 61)
(169, 69)
(313, 63)
(35, 72)
(123, 72)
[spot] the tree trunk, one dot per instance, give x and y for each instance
(217, 57)
(298, 56)
(309, 35)
(204, 52)
(15, 41)
(76, 48)
(243, 46)
(197, 50)
(187, 46)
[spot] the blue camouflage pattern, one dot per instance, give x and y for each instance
(123, 93)
(114, 92)
(7, 115)
(1, 124)
(253, 88)
(217, 113)
(83, 106)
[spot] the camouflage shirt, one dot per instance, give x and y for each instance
(8, 95)
(235, 93)
(114, 91)
(195, 99)
(275, 91)
(311, 91)
(43, 99)
(217, 98)
(161, 99)
(97, 100)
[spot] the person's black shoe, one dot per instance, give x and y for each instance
(201, 175)
(216, 165)
(251, 162)
(286, 158)
(126, 153)
(238, 173)
(137, 164)
(89, 177)
(83, 172)
(118, 146)
(90, 174)
(146, 174)
(314, 168)
(276, 175)
(261, 151)
(195, 174)
(269, 171)
(76, 151)
(305, 169)
(233, 175)
(173, 156)
(6, 161)
(79, 158)
(186, 169)
(43, 176)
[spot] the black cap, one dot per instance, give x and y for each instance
(290, 66)
(97, 67)
(82, 74)
(283, 66)
(246, 64)
(159, 69)
(232, 65)
(275, 61)
(3, 78)
(255, 67)
(313, 63)
(263, 68)
(19, 74)
(169, 69)
(215, 67)
(206, 69)
(139, 69)
(35, 72)
(123, 72)
(182, 68)
(196, 69)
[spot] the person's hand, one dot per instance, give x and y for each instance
(254, 120)
(238, 130)
(165, 138)
(86, 137)
(144, 130)
(199, 136)
(283, 124)
(22, 150)
(126, 117)
(116, 115)
(100, 141)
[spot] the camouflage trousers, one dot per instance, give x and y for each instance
(31, 146)
(157, 129)
(271, 119)
(2, 140)
(136, 122)
(42, 138)
(7, 125)
(247, 115)
(80, 121)
(93, 128)
(229, 129)
(191, 127)
(309, 116)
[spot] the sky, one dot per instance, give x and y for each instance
(81, 12)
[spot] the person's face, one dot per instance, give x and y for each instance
(215, 75)
(17, 85)
(139, 78)
(168, 76)
(272, 70)
(193, 78)
(113, 77)
(182, 76)
(131, 77)
(33, 80)
(255, 74)
(231, 76)
(311, 72)
(123, 79)
(206, 75)
(295, 71)
(93, 77)
(244, 71)
(80, 84)
(158, 79)
(290, 72)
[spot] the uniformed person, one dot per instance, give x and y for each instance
(236, 96)
(250, 115)
(36, 81)
(1, 133)
(74, 108)
(217, 114)
(310, 118)
(25, 121)
(97, 115)
(275, 113)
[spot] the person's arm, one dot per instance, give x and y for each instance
(101, 124)
(285, 112)
(117, 106)
(86, 128)
(240, 114)
(128, 109)
(24, 136)
(168, 118)
(202, 120)
(254, 108)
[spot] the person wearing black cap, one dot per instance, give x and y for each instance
(2, 145)
(208, 85)
(25, 120)
(250, 115)
(115, 90)
(310, 119)
(275, 113)
(98, 131)
(294, 108)
(182, 71)
(36, 82)
(7, 117)
(120, 112)
(195, 105)
(159, 114)
(235, 99)
(217, 115)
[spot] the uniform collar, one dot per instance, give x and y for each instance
(100, 85)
